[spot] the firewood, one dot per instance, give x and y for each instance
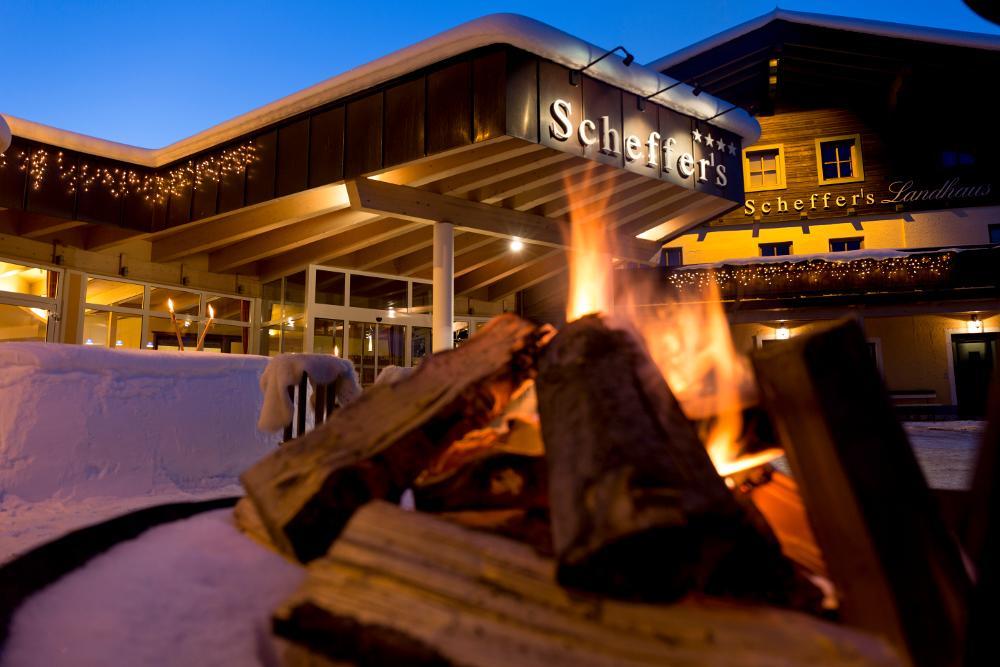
(404, 588)
(375, 447)
(897, 569)
(637, 507)
(489, 468)
(983, 543)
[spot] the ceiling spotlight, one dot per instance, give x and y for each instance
(516, 244)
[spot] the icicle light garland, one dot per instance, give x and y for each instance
(119, 181)
(815, 270)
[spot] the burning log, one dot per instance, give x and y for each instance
(376, 446)
(897, 569)
(488, 469)
(404, 588)
(637, 507)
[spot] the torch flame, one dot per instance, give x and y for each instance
(170, 306)
(211, 312)
(688, 339)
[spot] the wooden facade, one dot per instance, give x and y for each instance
(916, 104)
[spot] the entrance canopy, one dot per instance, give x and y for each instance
(498, 127)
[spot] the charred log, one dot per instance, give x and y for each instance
(637, 507)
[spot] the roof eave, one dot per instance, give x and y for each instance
(512, 29)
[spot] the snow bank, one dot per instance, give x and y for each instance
(193, 592)
(285, 370)
(79, 421)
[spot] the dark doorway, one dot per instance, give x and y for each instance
(975, 358)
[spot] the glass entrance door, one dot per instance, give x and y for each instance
(373, 346)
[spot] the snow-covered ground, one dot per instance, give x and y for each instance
(192, 592)
(946, 451)
(88, 433)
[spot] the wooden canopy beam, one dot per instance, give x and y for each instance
(501, 267)
(423, 260)
(459, 161)
(399, 246)
(511, 167)
(551, 265)
(100, 237)
(415, 204)
(33, 226)
(515, 185)
(287, 238)
(211, 233)
(381, 229)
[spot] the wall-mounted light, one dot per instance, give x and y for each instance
(574, 74)
(975, 324)
(782, 333)
(89, 341)
(149, 345)
(119, 343)
(187, 323)
(723, 112)
(516, 245)
(391, 311)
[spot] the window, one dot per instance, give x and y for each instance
(775, 249)
(951, 159)
(29, 301)
(838, 159)
(843, 245)
(133, 315)
(673, 257)
(764, 168)
(994, 233)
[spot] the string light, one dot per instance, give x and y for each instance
(120, 181)
(814, 272)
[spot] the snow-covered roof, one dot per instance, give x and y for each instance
(972, 40)
(512, 29)
(4, 135)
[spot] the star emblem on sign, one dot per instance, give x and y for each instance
(709, 141)
(732, 148)
(696, 134)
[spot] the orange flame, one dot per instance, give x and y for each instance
(689, 340)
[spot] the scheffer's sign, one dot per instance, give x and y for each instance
(900, 192)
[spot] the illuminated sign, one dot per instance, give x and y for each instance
(658, 154)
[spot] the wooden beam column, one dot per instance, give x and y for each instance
(443, 308)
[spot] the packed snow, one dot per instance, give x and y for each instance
(192, 592)
(285, 370)
(88, 433)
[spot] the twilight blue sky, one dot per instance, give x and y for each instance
(149, 73)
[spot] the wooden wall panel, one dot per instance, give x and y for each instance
(260, 174)
(179, 207)
(326, 147)
(53, 196)
(231, 191)
(553, 83)
(97, 204)
(137, 212)
(489, 87)
(449, 107)
(363, 136)
(205, 200)
(522, 95)
(404, 122)
(797, 133)
(600, 99)
(293, 163)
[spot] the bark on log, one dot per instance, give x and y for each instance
(404, 588)
(897, 569)
(637, 507)
(376, 446)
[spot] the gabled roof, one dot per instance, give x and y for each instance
(512, 29)
(959, 38)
